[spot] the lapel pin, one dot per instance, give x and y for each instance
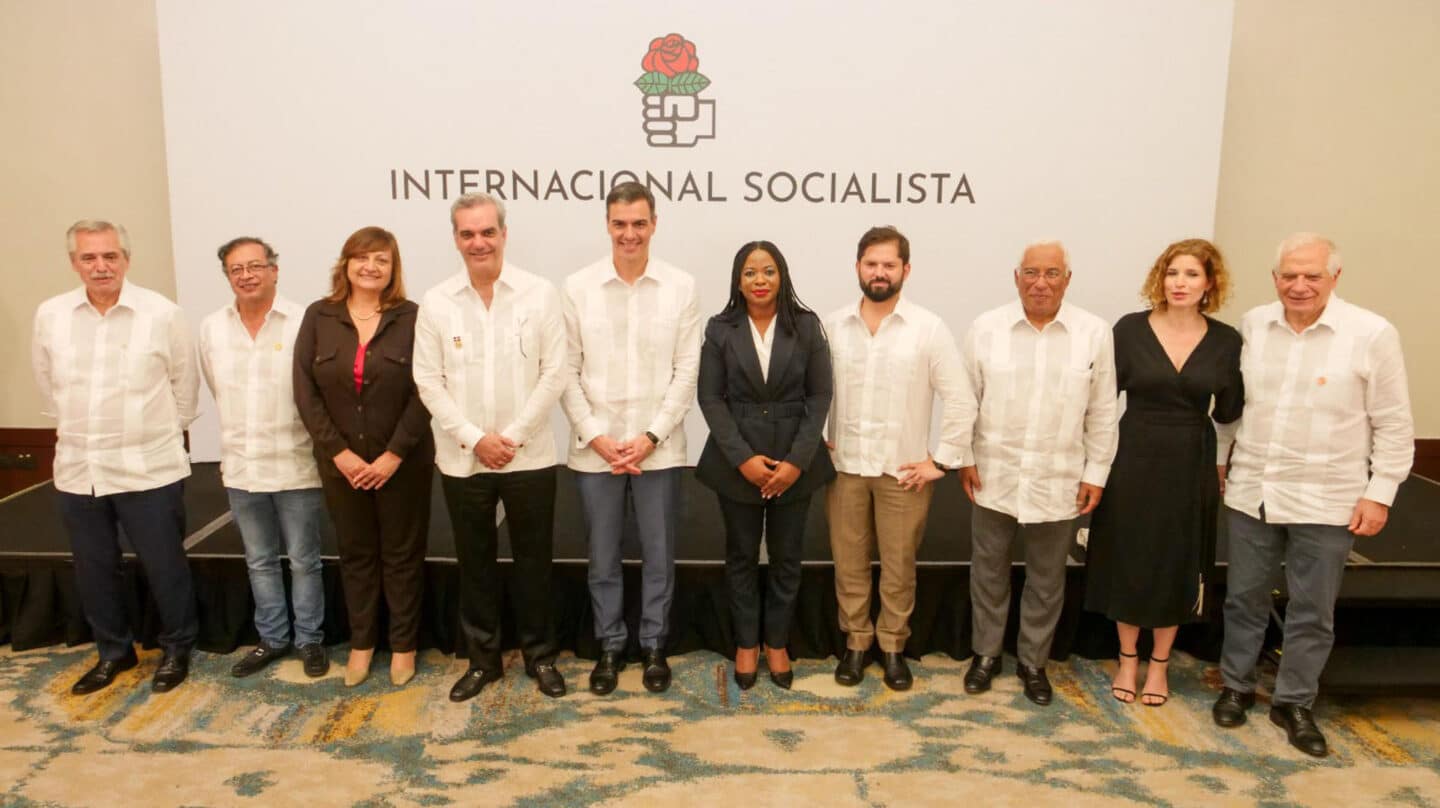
(458, 344)
(1320, 381)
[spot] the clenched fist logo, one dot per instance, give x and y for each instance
(675, 115)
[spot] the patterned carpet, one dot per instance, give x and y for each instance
(281, 739)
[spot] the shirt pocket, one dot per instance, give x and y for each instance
(1337, 390)
(658, 335)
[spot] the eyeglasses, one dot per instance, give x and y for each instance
(1032, 274)
(253, 268)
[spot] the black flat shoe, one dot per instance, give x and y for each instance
(982, 670)
(657, 671)
(471, 683)
(606, 673)
(547, 678)
(258, 660)
(1037, 684)
(783, 679)
(851, 670)
(104, 672)
(897, 672)
(1229, 709)
(1300, 727)
(314, 660)
(172, 671)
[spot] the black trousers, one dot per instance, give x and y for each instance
(154, 522)
(382, 536)
(529, 500)
(784, 529)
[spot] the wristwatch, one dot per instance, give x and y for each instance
(651, 436)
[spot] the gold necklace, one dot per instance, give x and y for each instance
(355, 316)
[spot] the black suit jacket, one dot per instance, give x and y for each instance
(387, 414)
(781, 417)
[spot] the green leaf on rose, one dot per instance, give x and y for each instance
(688, 83)
(653, 83)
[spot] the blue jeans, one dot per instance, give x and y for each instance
(265, 520)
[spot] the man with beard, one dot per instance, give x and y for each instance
(891, 359)
(1044, 375)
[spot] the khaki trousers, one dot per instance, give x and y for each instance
(868, 513)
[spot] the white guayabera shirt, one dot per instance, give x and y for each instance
(264, 445)
(122, 387)
(885, 388)
(1327, 417)
(496, 370)
(1048, 409)
(634, 359)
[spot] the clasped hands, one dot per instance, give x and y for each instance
(367, 476)
(624, 456)
(773, 477)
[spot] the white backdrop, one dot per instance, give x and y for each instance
(1096, 123)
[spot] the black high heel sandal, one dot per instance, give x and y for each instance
(1147, 694)
(1116, 691)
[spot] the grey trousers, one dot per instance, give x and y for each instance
(655, 497)
(1314, 557)
(1046, 546)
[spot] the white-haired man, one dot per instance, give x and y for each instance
(116, 367)
(1044, 374)
(1325, 440)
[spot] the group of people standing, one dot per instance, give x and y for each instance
(344, 407)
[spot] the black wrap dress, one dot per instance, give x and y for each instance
(1152, 539)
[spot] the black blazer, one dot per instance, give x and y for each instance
(781, 418)
(388, 414)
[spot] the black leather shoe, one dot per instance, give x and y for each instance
(897, 672)
(469, 686)
(548, 678)
(315, 660)
(657, 671)
(172, 671)
(1037, 684)
(851, 670)
(104, 672)
(606, 673)
(1300, 727)
(257, 660)
(1229, 709)
(982, 670)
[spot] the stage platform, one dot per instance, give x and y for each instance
(1390, 597)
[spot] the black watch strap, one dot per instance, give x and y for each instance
(651, 436)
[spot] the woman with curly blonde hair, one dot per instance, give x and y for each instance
(1152, 539)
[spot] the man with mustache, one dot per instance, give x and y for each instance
(891, 358)
(1325, 440)
(116, 367)
(267, 461)
(634, 329)
(1043, 371)
(490, 362)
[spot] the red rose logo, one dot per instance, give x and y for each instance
(671, 54)
(675, 115)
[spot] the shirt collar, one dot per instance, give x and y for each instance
(1329, 318)
(904, 310)
(1063, 316)
(655, 271)
(280, 305)
(458, 284)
